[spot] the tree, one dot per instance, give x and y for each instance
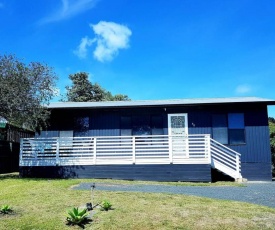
(271, 121)
(82, 90)
(121, 97)
(25, 90)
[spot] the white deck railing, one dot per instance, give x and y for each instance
(225, 159)
(153, 149)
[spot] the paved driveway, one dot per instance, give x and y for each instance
(256, 193)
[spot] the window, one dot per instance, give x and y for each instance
(228, 128)
(236, 128)
(219, 124)
(157, 124)
(125, 126)
(64, 134)
(66, 138)
(81, 126)
(139, 125)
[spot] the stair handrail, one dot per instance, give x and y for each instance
(229, 152)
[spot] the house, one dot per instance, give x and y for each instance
(9, 145)
(162, 140)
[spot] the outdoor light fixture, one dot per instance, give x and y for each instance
(93, 186)
(89, 206)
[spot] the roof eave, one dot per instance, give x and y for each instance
(97, 105)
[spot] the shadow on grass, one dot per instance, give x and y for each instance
(15, 175)
(5, 176)
(81, 225)
(106, 210)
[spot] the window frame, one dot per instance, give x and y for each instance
(150, 124)
(229, 127)
(220, 127)
(236, 127)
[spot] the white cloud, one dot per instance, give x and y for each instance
(243, 89)
(69, 9)
(110, 38)
(81, 51)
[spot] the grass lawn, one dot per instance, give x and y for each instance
(42, 204)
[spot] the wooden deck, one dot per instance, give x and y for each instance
(129, 150)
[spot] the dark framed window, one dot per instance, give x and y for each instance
(81, 126)
(228, 128)
(125, 126)
(220, 128)
(236, 130)
(157, 125)
(139, 125)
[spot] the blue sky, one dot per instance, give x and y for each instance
(154, 49)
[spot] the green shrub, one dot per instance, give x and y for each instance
(106, 205)
(76, 216)
(5, 209)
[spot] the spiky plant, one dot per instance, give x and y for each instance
(106, 205)
(5, 209)
(77, 216)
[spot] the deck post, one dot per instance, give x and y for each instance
(170, 149)
(208, 145)
(238, 166)
(35, 150)
(21, 152)
(134, 149)
(94, 150)
(57, 151)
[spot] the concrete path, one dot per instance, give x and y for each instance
(255, 193)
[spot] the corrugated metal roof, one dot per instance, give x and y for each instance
(170, 102)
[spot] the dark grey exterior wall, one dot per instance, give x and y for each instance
(200, 130)
(125, 172)
(257, 147)
(257, 171)
(104, 124)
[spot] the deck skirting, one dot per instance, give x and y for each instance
(154, 172)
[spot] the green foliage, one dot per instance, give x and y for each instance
(76, 216)
(106, 205)
(6, 209)
(24, 92)
(271, 121)
(82, 90)
(271, 125)
(120, 97)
